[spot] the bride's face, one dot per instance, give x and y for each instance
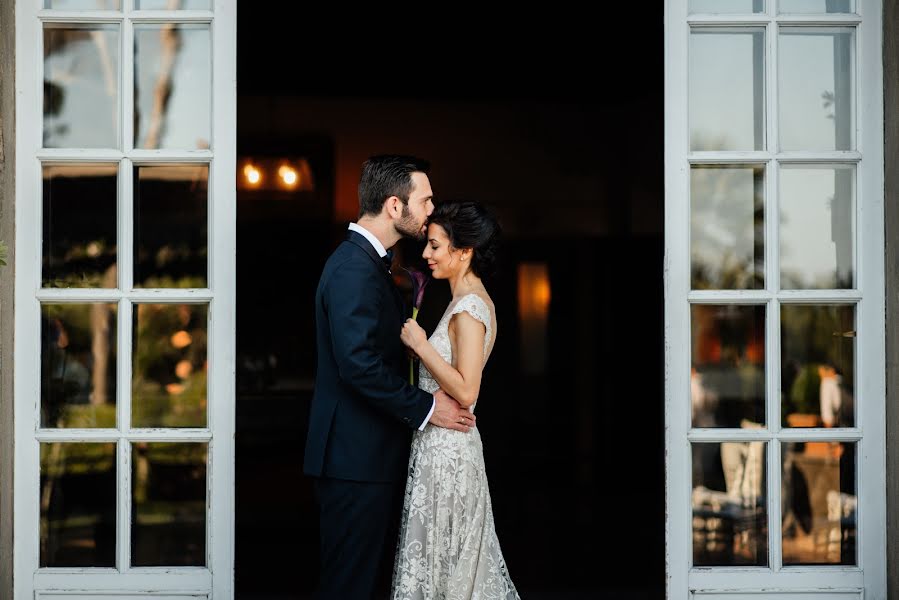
(443, 260)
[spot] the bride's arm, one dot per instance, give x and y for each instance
(462, 382)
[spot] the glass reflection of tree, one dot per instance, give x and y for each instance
(78, 365)
(169, 380)
(70, 47)
(727, 250)
(170, 44)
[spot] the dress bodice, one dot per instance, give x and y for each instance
(474, 305)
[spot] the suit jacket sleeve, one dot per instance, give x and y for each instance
(354, 304)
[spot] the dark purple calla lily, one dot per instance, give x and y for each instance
(420, 281)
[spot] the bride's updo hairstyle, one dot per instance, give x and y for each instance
(471, 225)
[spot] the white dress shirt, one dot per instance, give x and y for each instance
(382, 252)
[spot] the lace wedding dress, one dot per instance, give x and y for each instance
(448, 549)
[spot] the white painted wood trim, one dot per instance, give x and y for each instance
(222, 279)
(678, 537)
(870, 317)
(29, 125)
(138, 296)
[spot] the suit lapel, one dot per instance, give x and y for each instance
(360, 241)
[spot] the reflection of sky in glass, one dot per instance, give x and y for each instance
(81, 86)
(726, 90)
(726, 6)
(83, 4)
(727, 227)
(816, 6)
(172, 4)
(815, 89)
(184, 121)
(816, 245)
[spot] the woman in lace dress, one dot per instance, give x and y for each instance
(448, 549)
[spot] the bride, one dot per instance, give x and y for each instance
(447, 546)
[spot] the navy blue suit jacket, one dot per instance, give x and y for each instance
(363, 409)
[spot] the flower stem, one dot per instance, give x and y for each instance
(412, 360)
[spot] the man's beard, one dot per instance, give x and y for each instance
(408, 227)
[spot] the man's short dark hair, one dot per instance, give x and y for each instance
(384, 176)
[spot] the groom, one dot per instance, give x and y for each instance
(363, 409)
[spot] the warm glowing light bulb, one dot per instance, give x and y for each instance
(288, 175)
(252, 174)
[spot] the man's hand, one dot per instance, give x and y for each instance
(449, 414)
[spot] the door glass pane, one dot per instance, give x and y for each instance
(83, 4)
(817, 365)
(727, 227)
(819, 503)
(817, 225)
(81, 86)
(727, 379)
(172, 4)
(816, 6)
(79, 226)
(78, 504)
(815, 78)
(78, 365)
(170, 226)
(169, 377)
(169, 504)
(172, 86)
(726, 6)
(730, 518)
(727, 89)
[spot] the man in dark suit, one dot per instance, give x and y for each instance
(363, 409)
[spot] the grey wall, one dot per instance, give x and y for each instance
(7, 200)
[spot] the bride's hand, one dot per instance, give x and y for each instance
(413, 335)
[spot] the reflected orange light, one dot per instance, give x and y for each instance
(288, 175)
(174, 388)
(533, 311)
(534, 291)
(183, 369)
(252, 174)
(181, 339)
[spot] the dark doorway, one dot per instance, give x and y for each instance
(559, 126)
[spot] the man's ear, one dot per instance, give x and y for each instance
(394, 207)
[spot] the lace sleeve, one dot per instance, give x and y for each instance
(477, 308)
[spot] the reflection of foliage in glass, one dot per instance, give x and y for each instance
(169, 499)
(4, 252)
(78, 365)
(77, 504)
(169, 380)
(805, 392)
(68, 458)
(727, 235)
(812, 336)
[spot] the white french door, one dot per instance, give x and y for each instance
(124, 309)
(774, 299)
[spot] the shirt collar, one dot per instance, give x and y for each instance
(378, 246)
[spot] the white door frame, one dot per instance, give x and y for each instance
(868, 579)
(216, 579)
